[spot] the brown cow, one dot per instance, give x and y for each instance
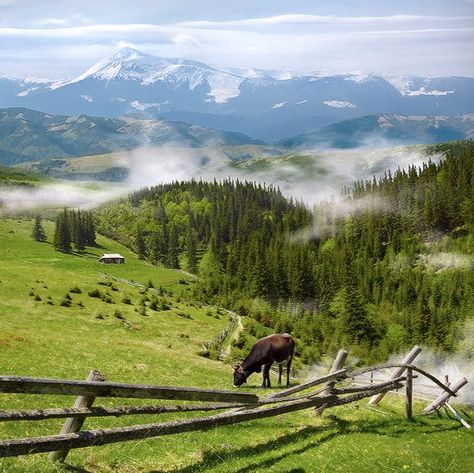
(278, 348)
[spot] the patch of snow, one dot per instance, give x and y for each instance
(358, 77)
(26, 92)
(19, 116)
(223, 86)
(423, 91)
(144, 106)
(338, 104)
(87, 98)
(279, 105)
(301, 102)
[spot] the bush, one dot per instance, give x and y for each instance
(37, 298)
(150, 284)
(106, 298)
(127, 300)
(67, 296)
(142, 311)
(65, 303)
(100, 316)
(80, 304)
(75, 290)
(95, 293)
(183, 315)
(118, 314)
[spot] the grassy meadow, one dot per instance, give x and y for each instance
(50, 326)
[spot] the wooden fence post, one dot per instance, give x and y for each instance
(442, 398)
(337, 364)
(74, 424)
(397, 372)
(409, 394)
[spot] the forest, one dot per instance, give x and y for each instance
(388, 265)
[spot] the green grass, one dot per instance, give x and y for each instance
(39, 339)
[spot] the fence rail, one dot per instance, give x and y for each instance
(236, 406)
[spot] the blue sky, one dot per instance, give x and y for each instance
(59, 39)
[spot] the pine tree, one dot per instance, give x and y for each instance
(38, 233)
(62, 234)
(191, 246)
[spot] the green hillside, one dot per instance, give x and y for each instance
(42, 338)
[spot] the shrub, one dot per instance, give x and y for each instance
(127, 300)
(99, 316)
(67, 296)
(37, 298)
(80, 304)
(107, 299)
(118, 314)
(95, 293)
(150, 284)
(142, 311)
(75, 290)
(65, 303)
(183, 315)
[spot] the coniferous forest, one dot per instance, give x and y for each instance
(388, 266)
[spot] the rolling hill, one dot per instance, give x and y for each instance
(161, 348)
(27, 135)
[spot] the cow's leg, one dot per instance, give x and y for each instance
(280, 372)
(266, 375)
(288, 367)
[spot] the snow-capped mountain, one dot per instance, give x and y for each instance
(264, 104)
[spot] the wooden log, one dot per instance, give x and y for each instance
(61, 413)
(368, 387)
(74, 424)
(442, 398)
(457, 415)
(414, 352)
(444, 387)
(337, 364)
(15, 384)
(82, 439)
(409, 394)
(339, 374)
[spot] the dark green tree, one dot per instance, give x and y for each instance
(38, 232)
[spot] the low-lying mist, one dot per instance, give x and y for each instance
(310, 177)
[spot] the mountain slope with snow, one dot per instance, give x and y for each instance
(265, 104)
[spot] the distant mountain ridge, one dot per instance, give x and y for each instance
(269, 105)
(382, 130)
(30, 135)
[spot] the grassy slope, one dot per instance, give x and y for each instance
(52, 341)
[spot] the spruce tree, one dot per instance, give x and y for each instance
(38, 233)
(62, 234)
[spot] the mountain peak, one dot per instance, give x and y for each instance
(127, 54)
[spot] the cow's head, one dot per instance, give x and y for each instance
(239, 376)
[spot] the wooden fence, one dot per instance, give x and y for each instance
(334, 389)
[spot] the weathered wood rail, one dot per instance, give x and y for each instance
(334, 389)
